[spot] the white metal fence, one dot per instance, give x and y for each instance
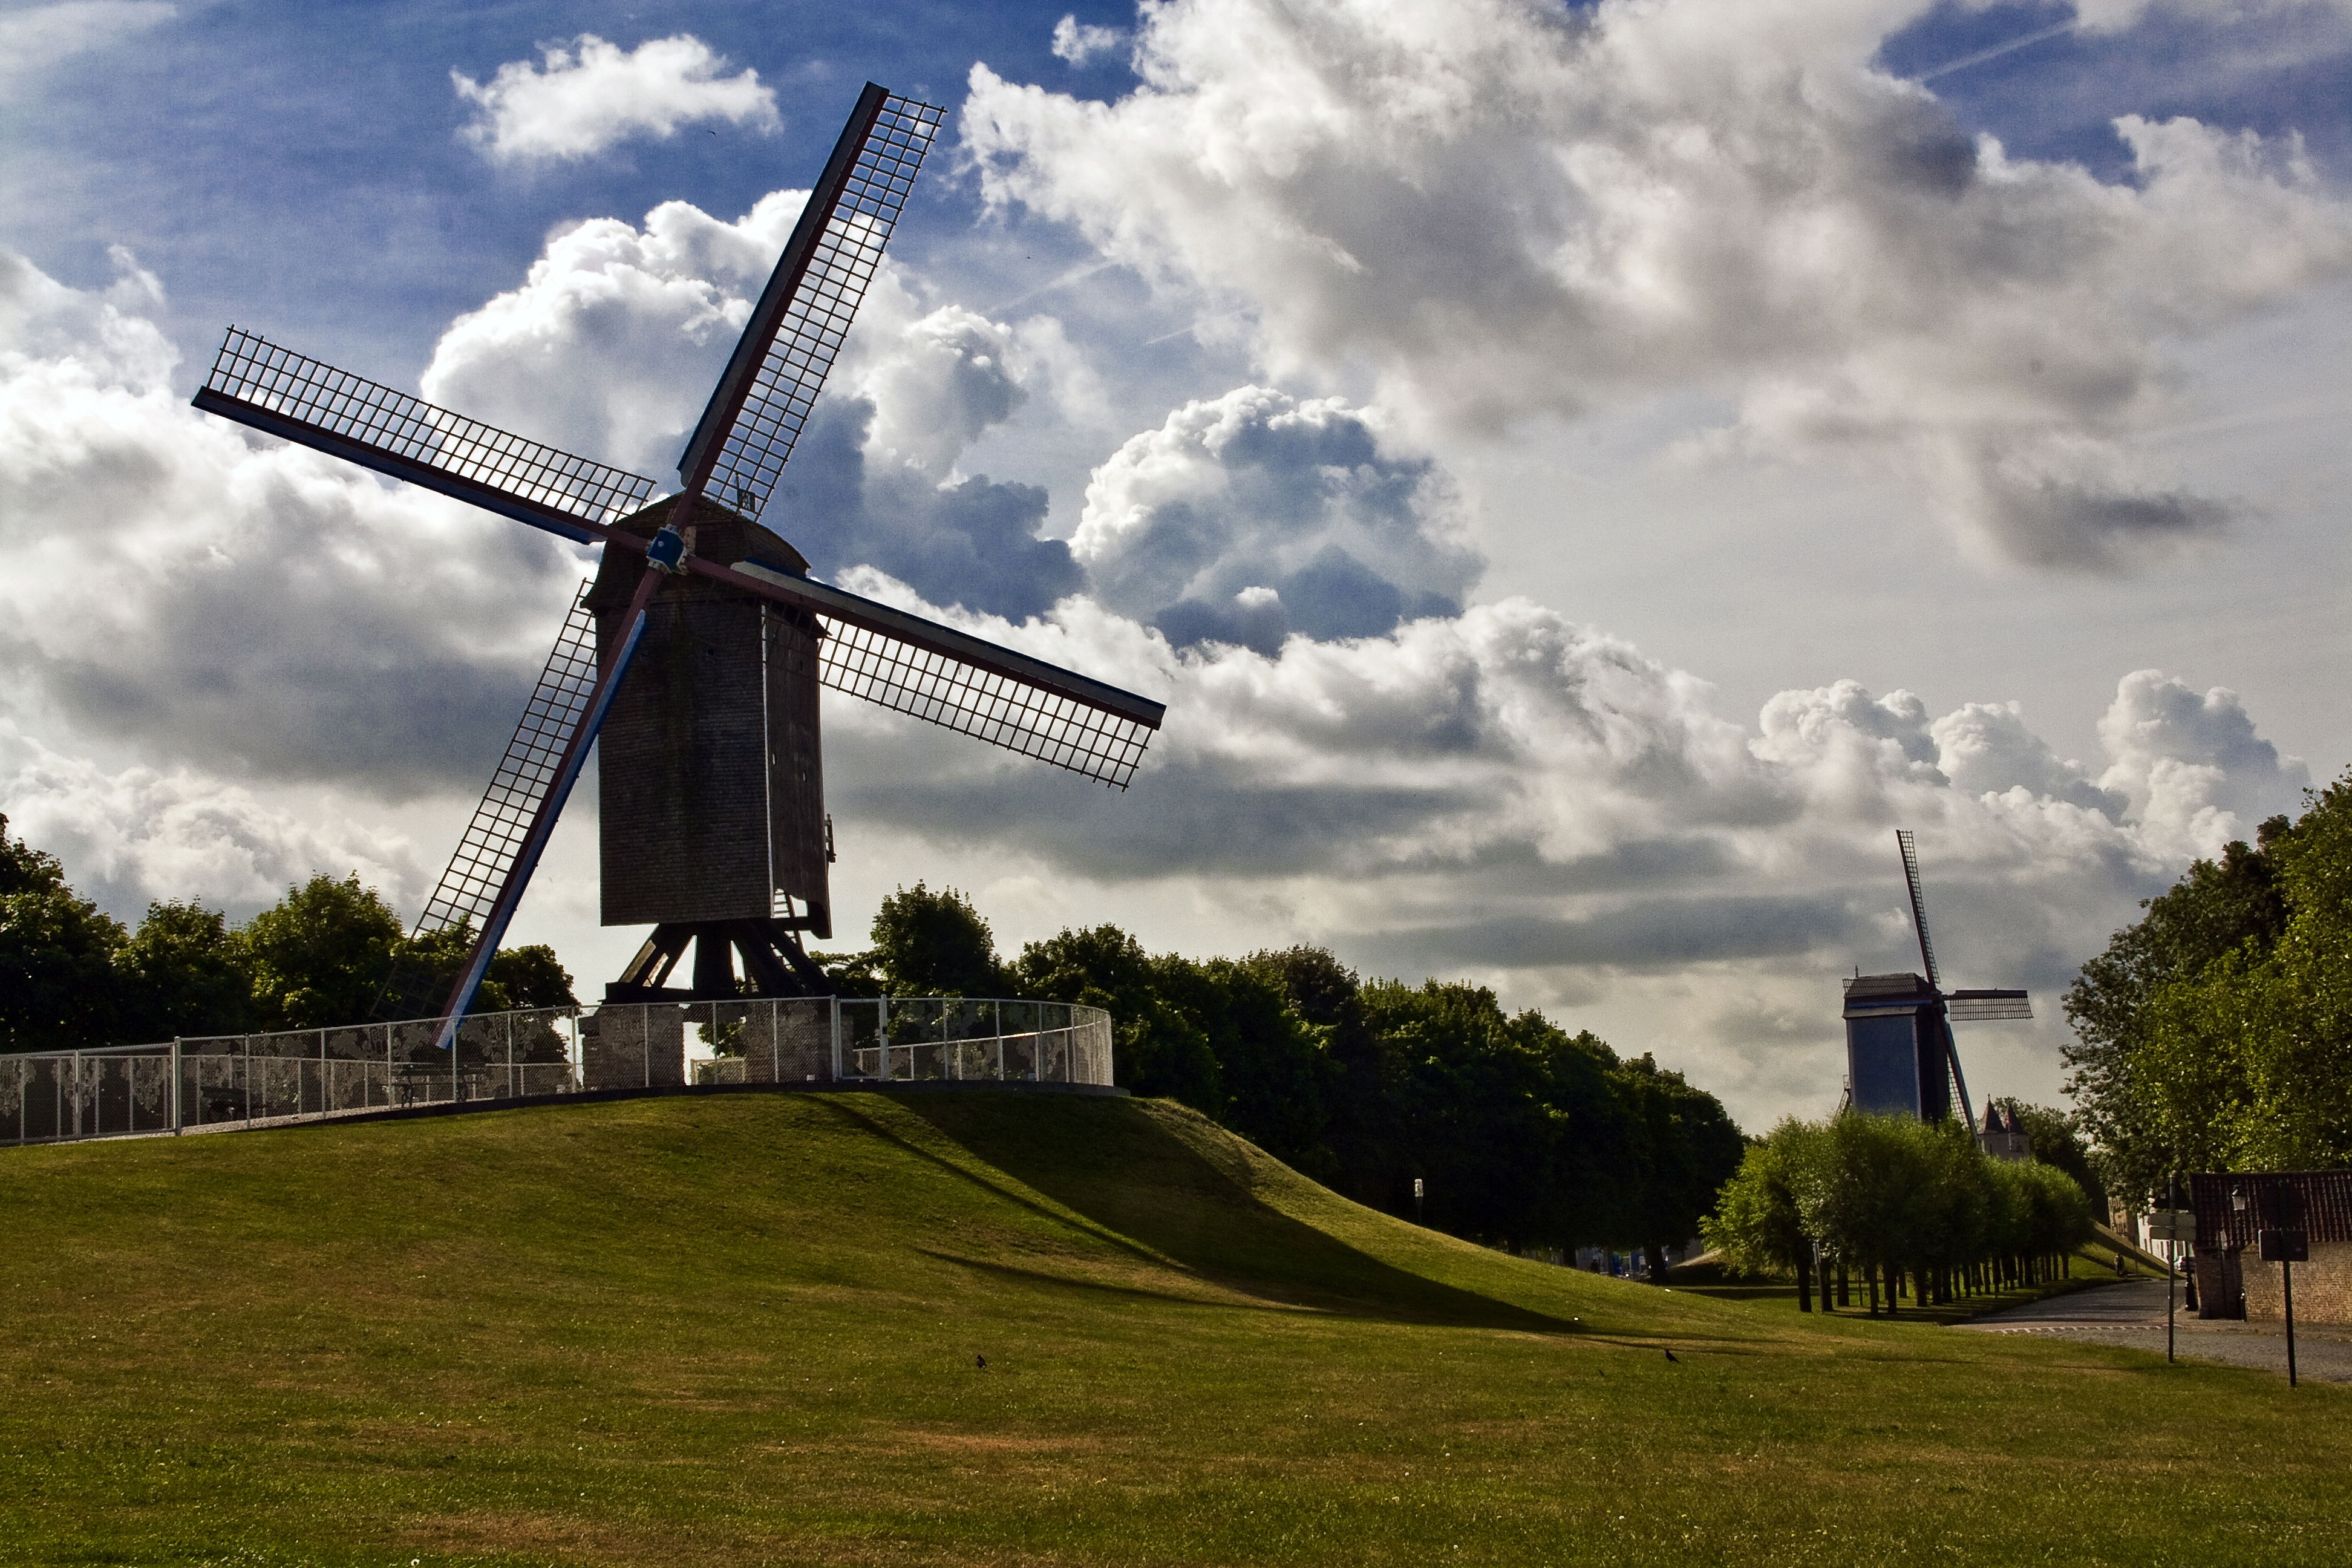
(243, 1079)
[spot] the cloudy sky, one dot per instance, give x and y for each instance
(1580, 475)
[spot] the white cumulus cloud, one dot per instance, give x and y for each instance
(590, 95)
(1498, 209)
(141, 834)
(1079, 42)
(1248, 517)
(230, 602)
(611, 344)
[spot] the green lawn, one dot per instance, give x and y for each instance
(743, 1329)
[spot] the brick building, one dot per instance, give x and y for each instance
(2233, 1209)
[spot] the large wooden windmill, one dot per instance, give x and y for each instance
(1899, 1051)
(711, 779)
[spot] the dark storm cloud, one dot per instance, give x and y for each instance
(972, 542)
(1652, 935)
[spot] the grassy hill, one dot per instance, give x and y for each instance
(745, 1330)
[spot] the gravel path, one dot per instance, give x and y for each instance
(2132, 1313)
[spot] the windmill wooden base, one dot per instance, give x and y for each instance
(771, 953)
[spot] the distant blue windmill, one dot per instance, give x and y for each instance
(1900, 1057)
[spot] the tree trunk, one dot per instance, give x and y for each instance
(1805, 1283)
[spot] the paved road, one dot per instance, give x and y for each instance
(2132, 1313)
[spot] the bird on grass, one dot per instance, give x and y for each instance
(1676, 1359)
(981, 1362)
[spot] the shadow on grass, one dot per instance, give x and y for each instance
(1145, 1190)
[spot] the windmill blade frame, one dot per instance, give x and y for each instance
(970, 685)
(273, 389)
(899, 660)
(1987, 1006)
(1910, 848)
(1960, 1079)
(763, 398)
(494, 837)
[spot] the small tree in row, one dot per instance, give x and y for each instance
(1897, 1200)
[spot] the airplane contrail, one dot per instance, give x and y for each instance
(1994, 53)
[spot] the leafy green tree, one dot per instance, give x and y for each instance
(1896, 1197)
(184, 972)
(2217, 1033)
(531, 977)
(1273, 1066)
(1686, 1147)
(320, 954)
(1477, 1127)
(1599, 1142)
(1757, 1225)
(1866, 1195)
(1155, 1049)
(58, 984)
(423, 970)
(930, 943)
(1363, 1127)
(2056, 1141)
(2142, 1128)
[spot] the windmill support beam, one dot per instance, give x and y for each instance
(769, 952)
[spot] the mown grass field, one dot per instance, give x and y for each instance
(744, 1330)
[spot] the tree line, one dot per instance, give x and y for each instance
(331, 952)
(1894, 1201)
(1522, 1133)
(2215, 1033)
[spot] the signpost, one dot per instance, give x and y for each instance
(2287, 1246)
(2180, 1225)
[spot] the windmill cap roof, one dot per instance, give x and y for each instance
(722, 535)
(1888, 988)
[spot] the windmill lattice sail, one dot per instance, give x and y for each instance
(1910, 848)
(1085, 738)
(495, 837)
(1988, 1006)
(884, 656)
(258, 383)
(763, 400)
